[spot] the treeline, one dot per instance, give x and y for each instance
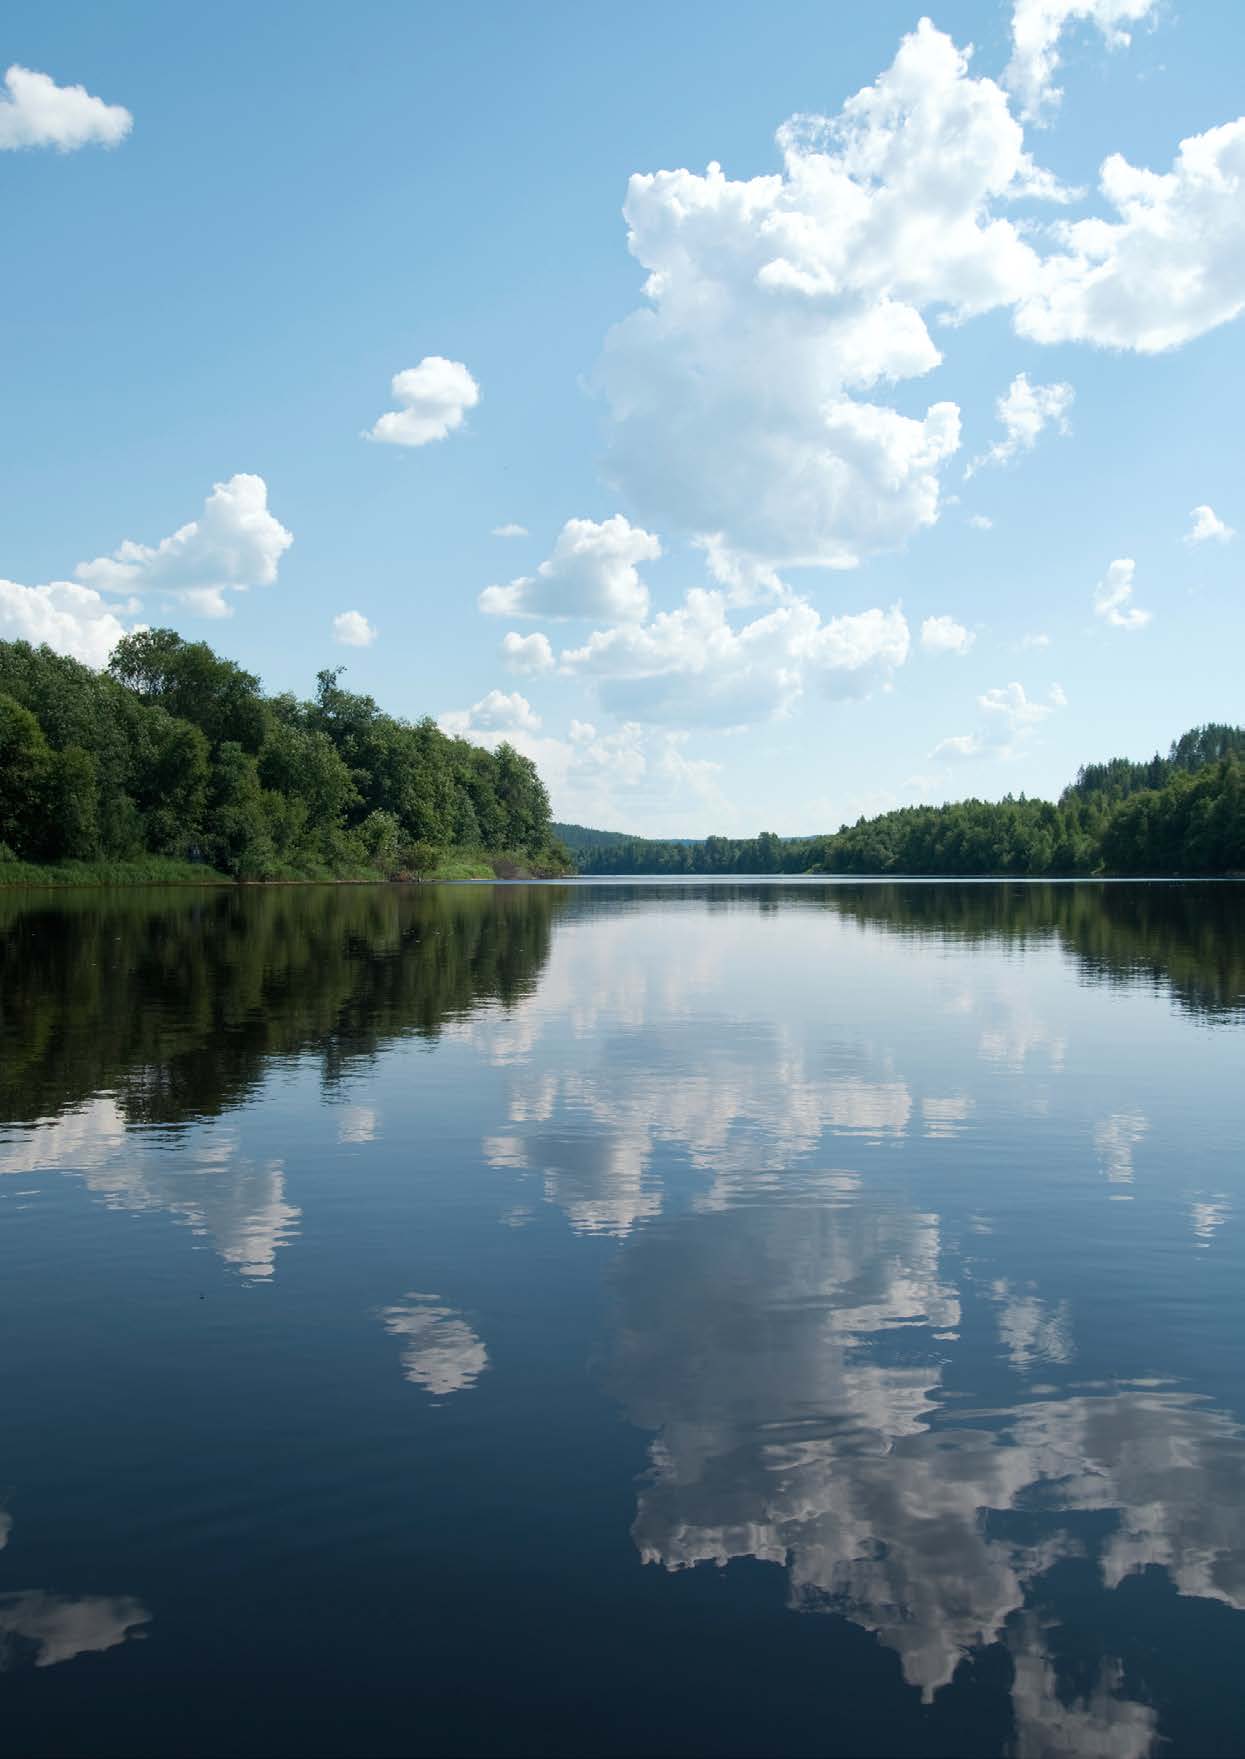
(1179, 814)
(175, 752)
(764, 854)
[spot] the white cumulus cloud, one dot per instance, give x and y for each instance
(1037, 26)
(510, 529)
(773, 303)
(1024, 410)
(1206, 525)
(1010, 718)
(495, 713)
(527, 655)
(748, 395)
(1112, 596)
(352, 629)
(36, 112)
(235, 543)
(434, 397)
(690, 667)
(70, 618)
(1015, 707)
(1169, 269)
(591, 573)
(959, 745)
(943, 635)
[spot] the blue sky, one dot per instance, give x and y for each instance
(261, 216)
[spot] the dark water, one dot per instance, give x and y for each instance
(623, 1320)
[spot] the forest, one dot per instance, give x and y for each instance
(1179, 814)
(174, 756)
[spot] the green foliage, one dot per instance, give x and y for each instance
(25, 765)
(422, 859)
(176, 752)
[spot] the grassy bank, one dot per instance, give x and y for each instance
(147, 870)
(158, 870)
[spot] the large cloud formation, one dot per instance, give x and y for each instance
(745, 394)
(36, 112)
(689, 667)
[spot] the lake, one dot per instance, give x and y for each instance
(723, 1319)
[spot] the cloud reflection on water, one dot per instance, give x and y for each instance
(787, 1367)
(207, 1183)
(440, 1351)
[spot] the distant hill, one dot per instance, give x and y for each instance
(580, 838)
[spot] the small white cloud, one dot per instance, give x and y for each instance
(352, 629)
(527, 655)
(70, 618)
(435, 397)
(1024, 410)
(1036, 638)
(36, 112)
(495, 713)
(959, 745)
(440, 1351)
(981, 522)
(943, 635)
(1206, 525)
(1037, 26)
(510, 530)
(1011, 717)
(1112, 595)
(235, 543)
(591, 573)
(1012, 704)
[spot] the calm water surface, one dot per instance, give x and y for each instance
(623, 1319)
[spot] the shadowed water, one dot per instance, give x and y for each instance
(623, 1319)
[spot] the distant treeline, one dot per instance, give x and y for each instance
(1179, 814)
(175, 752)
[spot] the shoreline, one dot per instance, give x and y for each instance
(125, 876)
